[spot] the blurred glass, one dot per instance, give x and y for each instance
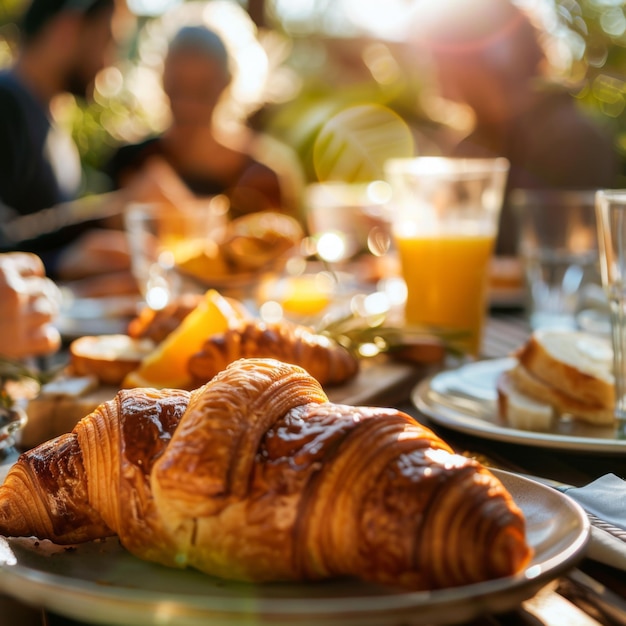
(162, 237)
(611, 218)
(347, 219)
(559, 250)
(302, 292)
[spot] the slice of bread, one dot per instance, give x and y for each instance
(108, 357)
(521, 410)
(578, 364)
(526, 383)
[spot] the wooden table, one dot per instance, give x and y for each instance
(561, 602)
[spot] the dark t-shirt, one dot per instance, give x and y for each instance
(39, 165)
(129, 159)
(251, 186)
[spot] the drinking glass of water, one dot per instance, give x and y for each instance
(611, 216)
(558, 246)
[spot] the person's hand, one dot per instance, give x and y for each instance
(96, 252)
(157, 182)
(28, 303)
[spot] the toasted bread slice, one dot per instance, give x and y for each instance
(578, 364)
(521, 410)
(528, 384)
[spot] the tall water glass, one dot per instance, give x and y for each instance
(558, 246)
(611, 218)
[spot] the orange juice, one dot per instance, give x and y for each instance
(446, 279)
(303, 296)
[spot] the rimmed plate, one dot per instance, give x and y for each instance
(99, 582)
(465, 400)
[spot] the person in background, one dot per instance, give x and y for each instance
(487, 55)
(28, 303)
(196, 75)
(63, 45)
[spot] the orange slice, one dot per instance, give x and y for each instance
(166, 366)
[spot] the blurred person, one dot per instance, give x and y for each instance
(63, 45)
(28, 303)
(487, 55)
(196, 75)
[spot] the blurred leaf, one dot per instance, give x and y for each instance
(354, 144)
(355, 331)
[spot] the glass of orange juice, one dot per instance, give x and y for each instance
(445, 214)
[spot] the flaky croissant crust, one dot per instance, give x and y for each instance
(328, 362)
(256, 476)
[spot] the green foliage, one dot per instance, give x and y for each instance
(598, 73)
(353, 145)
(316, 124)
(9, 11)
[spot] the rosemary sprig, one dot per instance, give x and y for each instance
(365, 335)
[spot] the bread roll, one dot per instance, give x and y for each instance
(108, 357)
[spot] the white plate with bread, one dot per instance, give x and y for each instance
(556, 391)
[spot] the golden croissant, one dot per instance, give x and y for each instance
(257, 477)
(327, 361)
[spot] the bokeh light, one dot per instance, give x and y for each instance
(331, 247)
(585, 41)
(271, 312)
(376, 303)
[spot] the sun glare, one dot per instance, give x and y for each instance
(388, 19)
(331, 246)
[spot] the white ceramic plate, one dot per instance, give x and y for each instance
(465, 400)
(101, 583)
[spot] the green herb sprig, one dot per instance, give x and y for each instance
(371, 335)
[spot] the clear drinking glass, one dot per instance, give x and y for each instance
(445, 214)
(160, 236)
(558, 245)
(611, 218)
(347, 219)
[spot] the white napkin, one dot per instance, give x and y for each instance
(606, 499)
